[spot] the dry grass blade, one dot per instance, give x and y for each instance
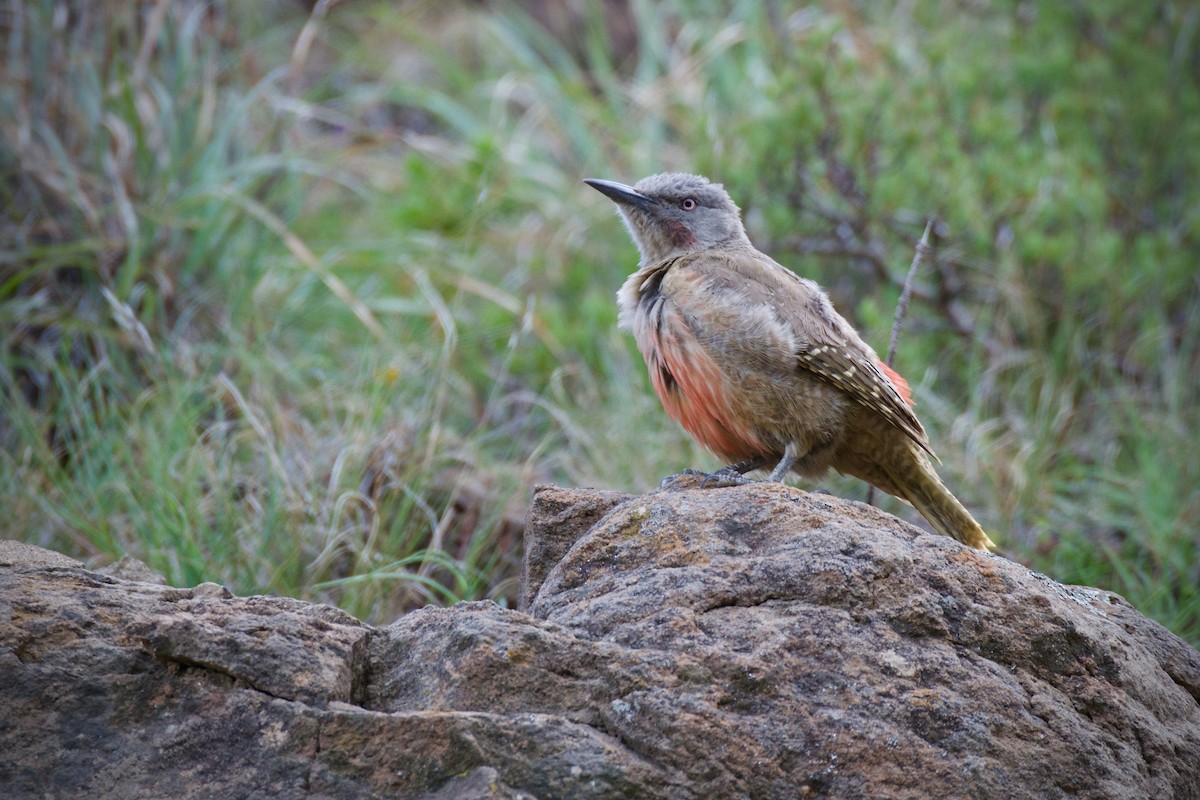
(305, 256)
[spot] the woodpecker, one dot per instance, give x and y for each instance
(754, 362)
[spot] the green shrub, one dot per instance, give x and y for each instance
(306, 305)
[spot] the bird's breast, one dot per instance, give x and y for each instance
(694, 388)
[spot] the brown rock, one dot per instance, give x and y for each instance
(18, 553)
(563, 516)
(748, 642)
(128, 568)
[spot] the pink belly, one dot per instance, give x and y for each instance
(700, 397)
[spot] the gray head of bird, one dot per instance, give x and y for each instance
(674, 213)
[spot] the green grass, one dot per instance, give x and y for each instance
(307, 306)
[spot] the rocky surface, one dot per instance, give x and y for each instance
(746, 642)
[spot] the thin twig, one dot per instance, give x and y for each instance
(906, 293)
(922, 250)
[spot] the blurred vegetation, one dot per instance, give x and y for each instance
(305, 301)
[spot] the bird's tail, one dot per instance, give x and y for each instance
(924, 489)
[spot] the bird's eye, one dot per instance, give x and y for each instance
(688, 204)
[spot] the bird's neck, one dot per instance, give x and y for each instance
(659, 249)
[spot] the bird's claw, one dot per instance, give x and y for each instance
(723, 477)
(670, 479)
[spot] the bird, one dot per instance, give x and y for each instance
(754, 362)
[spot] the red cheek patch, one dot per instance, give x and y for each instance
(679, 234)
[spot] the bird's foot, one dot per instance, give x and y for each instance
(723, 477)
(689, 472)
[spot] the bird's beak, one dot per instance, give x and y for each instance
(620, 193)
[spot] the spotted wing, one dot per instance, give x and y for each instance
(859, 373)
